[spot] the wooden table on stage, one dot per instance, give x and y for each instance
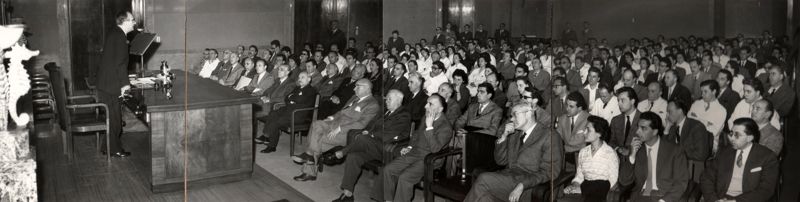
(208, 125)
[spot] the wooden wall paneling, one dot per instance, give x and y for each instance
(246, 124)
(365, 21)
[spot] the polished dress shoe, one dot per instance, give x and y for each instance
(121, 154)
(303, 158)
(343, 198)
(261, 140)
(268, 150)
(305, 177)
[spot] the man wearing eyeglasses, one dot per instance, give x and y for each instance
(112, 78)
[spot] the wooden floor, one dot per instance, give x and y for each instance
(90, 178)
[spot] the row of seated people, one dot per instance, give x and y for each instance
(419, 88)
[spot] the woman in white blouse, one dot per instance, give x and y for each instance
(478, 75)
(456, 66)
(607, 106)
(598, 164)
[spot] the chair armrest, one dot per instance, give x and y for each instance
(77, 97)
(294, 113)
(278, 105)
(90, 105)
(389, 148)
(427, 180)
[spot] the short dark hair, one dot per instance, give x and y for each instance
(728, 76)
(578, 99)
(535, 94)
(750, 127)
(462, 74)
(713, 85)
(275, 43)
(438, 65)
(523, 67)
(488, 87)
(756, 84)
(655, 121)
(600, 126)
(628, 92)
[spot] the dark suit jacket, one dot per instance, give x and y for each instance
(501, 34)
(489, 120)
(416, 106)
(113, 71)
(759, 178)
(728, 99)
(481, 36)
(390, 127)
(466, 35)
(672, 173)
(541, 81)
(695, 139)
(346, 90)
(440, 38)
(556, 107)
(641, 91)
(679, 93)
(748, 70)
(585, 93)
(399, 84)
(329, 84)
(278, 91)
(783, 99)
(297, 99)
(463, 102)
(424, 141)
(395, 42)
(533, 162)
(617, 125)
(337, 37)
(574, 80)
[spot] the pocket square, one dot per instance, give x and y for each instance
(755, 169)
(358, 109)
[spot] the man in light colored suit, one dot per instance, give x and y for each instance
(532, 154)
(656, 166)
(771, 137)
(746, 171)
(572, 126)
(262, 81)
(332, 131)
(654, 102)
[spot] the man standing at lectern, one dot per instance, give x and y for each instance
(112, 77)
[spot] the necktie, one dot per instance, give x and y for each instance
(627, 129)
(651, 106)
(739, 159)
(771, 91)
(648, 185)
(708, 105)
(677, 134)
(572, 123)
(387, 113)
(521, 138)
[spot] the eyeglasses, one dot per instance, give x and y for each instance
(527, 97)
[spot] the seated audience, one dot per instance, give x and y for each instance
(656, 168)
(606, 105)
(278, 91)
(598, 165)
(302, 96)
(572, 126)
(753, 91)
(532, 96)
(708, 111)
(249, 73)
(532, 155)
(477, 75)
(654, 102)
(310, 67)
(692, 80)
(539, 77)
(590, 90)
(396, 80)
(499, 97)
(771, 137)
(462, 94)
(513, 84)
(367, 144)
(332, 131)
(397, 179)
(453, 110)
(727, 97)
(623, 126)
(690, 134)
(262, 81)
(780, 93)
(342, 93)
(435, 78)
(558, 102)
(329, 83)
(482, 116)
(416, 98)
(236, 71)
(210, 64)
(746, 171)
(224, 67)
(675, 91)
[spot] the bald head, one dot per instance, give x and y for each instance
(363, 87)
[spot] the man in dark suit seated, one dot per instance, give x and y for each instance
(328, 83)
(397, 179)
(532, 154)
(771, 137)
(727, 97)
(675, 91)
(396, 80)
(302, 96)
(690, 134)
(343, 93)
(780, 93)
(656, 168)
(367, 144)
(276, 94)
(623, 126)
(746, 171)
(416, 98)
